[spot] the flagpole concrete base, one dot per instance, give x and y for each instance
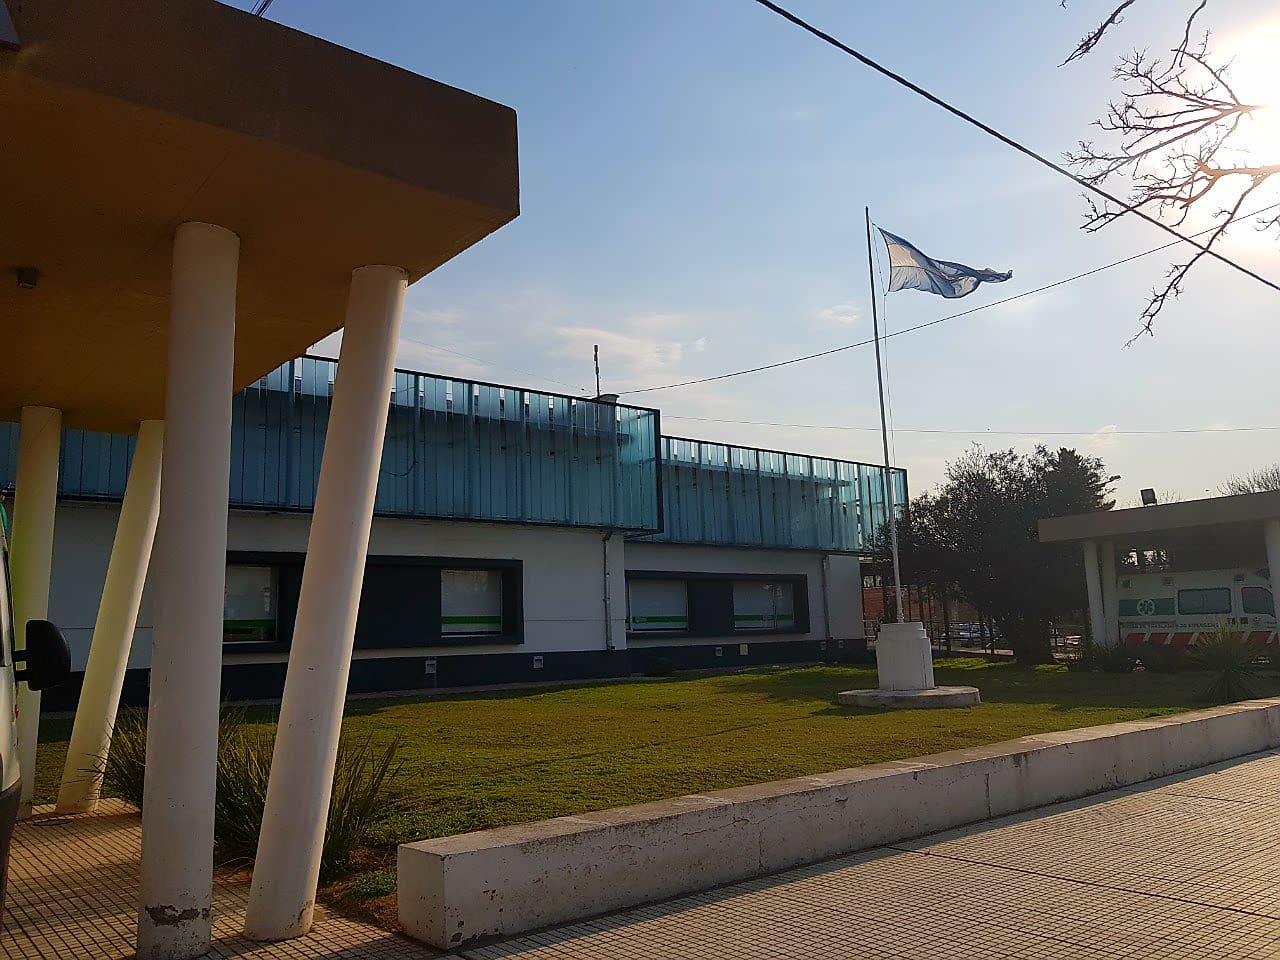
(932, 698)
(904, 659)
(904, 662)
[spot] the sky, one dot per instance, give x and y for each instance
(693, 183)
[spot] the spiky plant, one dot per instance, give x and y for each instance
(1224, 653)
(362, 785)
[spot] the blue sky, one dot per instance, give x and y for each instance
(693, 179)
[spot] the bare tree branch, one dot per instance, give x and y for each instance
(1177, 134)
(1093, 39)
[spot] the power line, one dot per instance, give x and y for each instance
(1007, 140)
(975, 433)
(262, 6)
(932, 323)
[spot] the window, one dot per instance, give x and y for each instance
(249, 604)
(763, 605)
(1258, 600)
(656, 605)
(470, 602)
(1208, 600)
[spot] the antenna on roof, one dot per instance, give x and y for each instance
(596, 355)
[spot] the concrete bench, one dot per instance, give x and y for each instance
(500, 883)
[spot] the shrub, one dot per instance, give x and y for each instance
(244, 767)
(361, 778)
(1097, 656)
(361, 785)
(1226, 653)
(1165, 659)
(122, 767)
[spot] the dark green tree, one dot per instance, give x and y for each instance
(976, 536)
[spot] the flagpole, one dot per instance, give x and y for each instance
(884, 425)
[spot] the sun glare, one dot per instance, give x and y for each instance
(1255, 77)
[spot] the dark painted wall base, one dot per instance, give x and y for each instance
(265, 681)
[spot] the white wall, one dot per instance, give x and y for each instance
(563, 574)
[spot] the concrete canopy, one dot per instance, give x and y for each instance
(1199, 534)
(122, 120)
(1139, 523)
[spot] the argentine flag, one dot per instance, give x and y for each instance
(910, 269)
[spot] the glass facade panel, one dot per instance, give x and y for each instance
(476, 451)
(454, 449)
(715, 493)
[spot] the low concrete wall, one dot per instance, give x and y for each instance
(498, 883)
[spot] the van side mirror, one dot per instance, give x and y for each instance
(47, 657)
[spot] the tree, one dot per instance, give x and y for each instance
(1179, 135)
(977, 536)
(1255, 481)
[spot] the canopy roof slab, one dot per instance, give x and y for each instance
(123, 120)
(1217, 531)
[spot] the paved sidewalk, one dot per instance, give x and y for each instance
(1187, 867)
(73, 893)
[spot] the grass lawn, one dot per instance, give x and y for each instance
(489, 759)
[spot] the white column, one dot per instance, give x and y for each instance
(113, 631)
(287, 868)
(1093, 585)
(1110, 594)
(1271, 530)
(187, 590)
(35, 499)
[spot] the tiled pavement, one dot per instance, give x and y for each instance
(73, 893)
(1188, 867)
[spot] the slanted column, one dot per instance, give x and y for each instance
(113, 631)
(1093, 586)
(287, 868)
(1271, 530)
(187, 593)
(35, 500)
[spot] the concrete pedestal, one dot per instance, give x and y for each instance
(904, 661)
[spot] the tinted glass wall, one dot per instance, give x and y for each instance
(454, 449)
(716, 493)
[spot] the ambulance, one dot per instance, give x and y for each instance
(1173, 609)
(44, 663)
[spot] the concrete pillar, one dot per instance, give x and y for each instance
(1271, 530)
(35, 499)
(187, 590)
(1110, 594)
(113, 631)
(287, 869)
(1093, 585)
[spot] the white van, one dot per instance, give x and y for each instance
(46, 663)
(1171, 609)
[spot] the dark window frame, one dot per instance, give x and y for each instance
(710, 605)
(289, 564)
